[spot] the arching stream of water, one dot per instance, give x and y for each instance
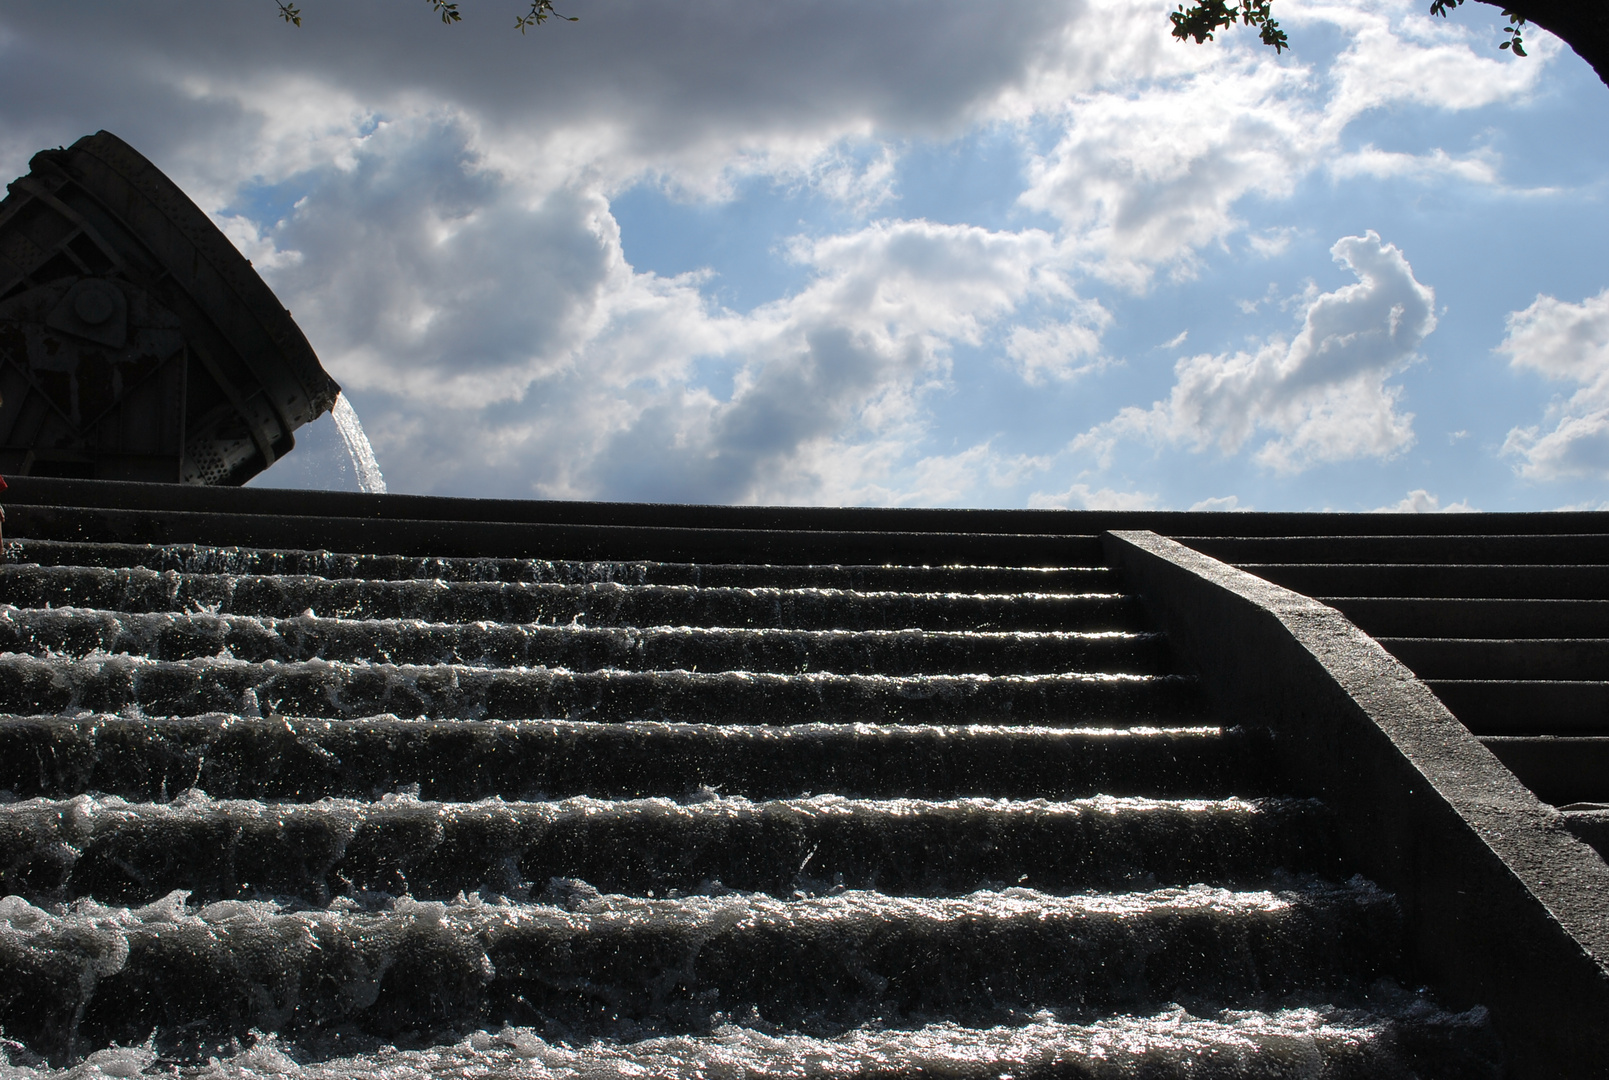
(357, 446)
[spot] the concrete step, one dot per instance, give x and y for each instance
(1569, 659)
(604, 604)
(1424, 549)
(636, 793)
(201, 559)
(456, 691)
(301, 759)
(101, 974)
(134, 853)
(1591, 824)
(174, 636)
(1398, 617)
(1455, 580)
(471, 538)
(1514, 707)
(1559, 768)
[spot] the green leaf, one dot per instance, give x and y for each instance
(447, 10)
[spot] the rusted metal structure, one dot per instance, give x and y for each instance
(136, 342)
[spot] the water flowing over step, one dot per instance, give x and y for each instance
(199, 559)
(339, 689)
(294, 813)
(598, 604)
(134, 853)
(305, 759)
(812, 964)
(164, 636)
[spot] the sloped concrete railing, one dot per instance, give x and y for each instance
(1503, 905)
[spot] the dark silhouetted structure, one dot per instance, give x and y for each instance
(136, 343)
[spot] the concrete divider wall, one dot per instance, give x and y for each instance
(1503, 906)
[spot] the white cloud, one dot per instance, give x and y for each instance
(1561, 340)
(830, 380)
(1397, 55)
(1150, 177)
(1220, 504)
(1373, 162)
(436, 205)
(946, 479)
(1323, 396)
(1567, 343)
(1420, 501)
(1085, 497)
(1148, 174)
(589, 377)
(1062, 350)
(1271, 243)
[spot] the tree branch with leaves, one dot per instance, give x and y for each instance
(1581, 24)
(541, 11)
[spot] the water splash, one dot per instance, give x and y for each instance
(357, 446)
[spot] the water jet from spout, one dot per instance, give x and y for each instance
(357, 446)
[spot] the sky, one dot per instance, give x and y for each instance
(892, 252)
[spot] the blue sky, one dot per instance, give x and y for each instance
(893, 252)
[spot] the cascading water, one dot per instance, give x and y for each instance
(283, 814)
(357, 446)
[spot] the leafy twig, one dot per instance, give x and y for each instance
(1206, 16)
(540, 11)
(1514, 29)
(448, 11)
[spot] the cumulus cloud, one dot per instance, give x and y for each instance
(1086, 497)
(1437, 62)
(437, 205)
(840, 368)
(1566, 343)
(1149, 177)
(424, 273)
(1371, 161)
(606, 384)
(1322, 396)
(696, 94)
(945, 478)
(1420, 501)
(1060, 351)
(1220, 504)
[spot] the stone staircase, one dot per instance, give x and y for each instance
(277, 812)
(1510, 631)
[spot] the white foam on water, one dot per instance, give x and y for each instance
(80, 820)
(24, 926)
(357, 446)
(1173, 1043)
